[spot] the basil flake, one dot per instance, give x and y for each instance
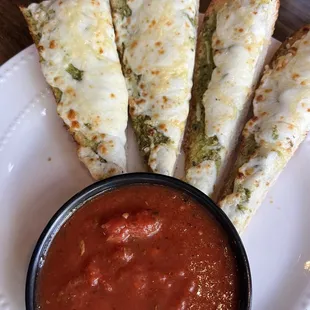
(75, 72)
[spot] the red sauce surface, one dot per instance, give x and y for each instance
(139, 247)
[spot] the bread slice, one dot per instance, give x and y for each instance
(232, 47)
(156, 41)
(280, 123)
(79, 60)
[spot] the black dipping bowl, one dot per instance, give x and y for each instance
(77, 201)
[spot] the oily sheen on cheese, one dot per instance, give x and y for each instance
(156, 41)
(232, 47)
(79, 60)
(280, 123)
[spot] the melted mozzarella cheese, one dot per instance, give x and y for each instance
(80, 33)
(197, 176)
(243, 30)
(159, 39)
(281, 122)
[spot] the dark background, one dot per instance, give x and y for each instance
(14, 35)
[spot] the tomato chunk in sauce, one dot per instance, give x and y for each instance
(139, 247)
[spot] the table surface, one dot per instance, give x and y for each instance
(14, 35)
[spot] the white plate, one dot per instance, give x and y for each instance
(39, 171)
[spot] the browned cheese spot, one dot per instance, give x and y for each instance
(134, 44)
(75, 125)
(293, 50)
(52, 44)
(40, 48)
(153, 23)
(260, 98)
(295, 76)
(131, 110)
(165, 99)
(139, 101)
(281, 64)
(112, 171)
(70, 91)
(240, 175)
(155, 72)
(103, 149)
(163, 127)
(71, 115)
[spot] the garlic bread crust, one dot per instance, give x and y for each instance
(281, 122)
(232, 46)
(79, 60)
(156, 42)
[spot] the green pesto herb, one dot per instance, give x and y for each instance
(205, 63)
(75, 73)
(84, 141)
(192, 20)
(134, 81)
(245, 193)
(102, 160)
(46, 9)
(137, 77)
(133, 78)
(242, 208)
(192, 40)
(33, 26)
(121, 52)
(57, 94)
(275, 133)
(148, 136)
(247, 150)
(88, 125)
(92, 144)
(249, 146)
(121, 7)
(202, 147)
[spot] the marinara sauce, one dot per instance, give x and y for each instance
(140, 247)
